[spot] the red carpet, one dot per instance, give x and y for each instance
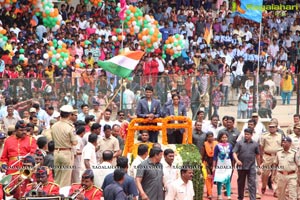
(267, 196)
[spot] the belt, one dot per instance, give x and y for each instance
(287, 173)
(78, 154)
(63, 149)
(270, 154)
(13, 158)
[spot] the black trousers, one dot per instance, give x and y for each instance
(251, 176)
(175, 137)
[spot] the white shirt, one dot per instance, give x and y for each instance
(133, 168)
(89, 153)
(178, 190)
(211, 128)
(170, 172)
(129, 98)
(102, 123)
(161, 67)
(102, 170)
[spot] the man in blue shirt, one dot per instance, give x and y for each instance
(128, 185)
(165, 31)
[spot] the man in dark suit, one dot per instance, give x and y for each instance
(149, 107)
(175, 109)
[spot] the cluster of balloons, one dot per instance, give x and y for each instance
(58, 54)
(3, 37)
(50, 15)
(173, 46)
(7, 3)
(150, 37)
(22, 57)
(97, 3)
(145, 27)
(85, 44)
(132, 19)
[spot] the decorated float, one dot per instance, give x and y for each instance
(185, 153)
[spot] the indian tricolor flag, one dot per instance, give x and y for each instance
(122, 65)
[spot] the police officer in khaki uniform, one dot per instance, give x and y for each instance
(295, 136)
(285, 168)
(270, 144)
(64, 137)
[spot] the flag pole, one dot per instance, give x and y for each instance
(258, 67)
(122, 48)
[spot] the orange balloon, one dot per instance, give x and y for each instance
(120, 37)
(50, 43)
(3, 31)
(55, 12)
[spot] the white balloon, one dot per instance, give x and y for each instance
(57, 63)
(57, 55)
(169, 46)
(22, 56)
(64, 63)
(179, 48)
(181, 37)
(59, 17)
(131, 15)
(46, 56)
(59, 42)
(114, 38)
(118, 5)
(144, 38)
(134, 23)
(123, 37)
(136, 29)
(52, 48)
(77, 61)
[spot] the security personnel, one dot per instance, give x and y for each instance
(285, 168)
(18, 192)
(39, 159)
(90, 191)
(295, 136)
(270, 144)
(64, 137)
(15, 147)
(46, 187)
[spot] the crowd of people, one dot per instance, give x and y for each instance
(59, 120)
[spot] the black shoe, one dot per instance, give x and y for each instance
(270, 183)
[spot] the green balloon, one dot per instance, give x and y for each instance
(53, 59)
(177, 36)
(128, 18)
(151, 32)
(118, 30)
(136, 14)
(128, 12)
(47, 12)
(54, 52)
(81, 64)
(148, 40)
(164, 56)
(118, 9)
(22, 51)
(60, 60)
(5, 38)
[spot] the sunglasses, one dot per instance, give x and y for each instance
(121, 115)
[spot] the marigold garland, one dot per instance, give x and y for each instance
(141, 124)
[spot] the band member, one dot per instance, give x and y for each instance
(16, 146)
(86, 189)
(39, 159)
(42, 186)
(21, 179)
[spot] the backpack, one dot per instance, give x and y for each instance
(274, 102)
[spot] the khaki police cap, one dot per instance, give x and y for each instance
(67, 109)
